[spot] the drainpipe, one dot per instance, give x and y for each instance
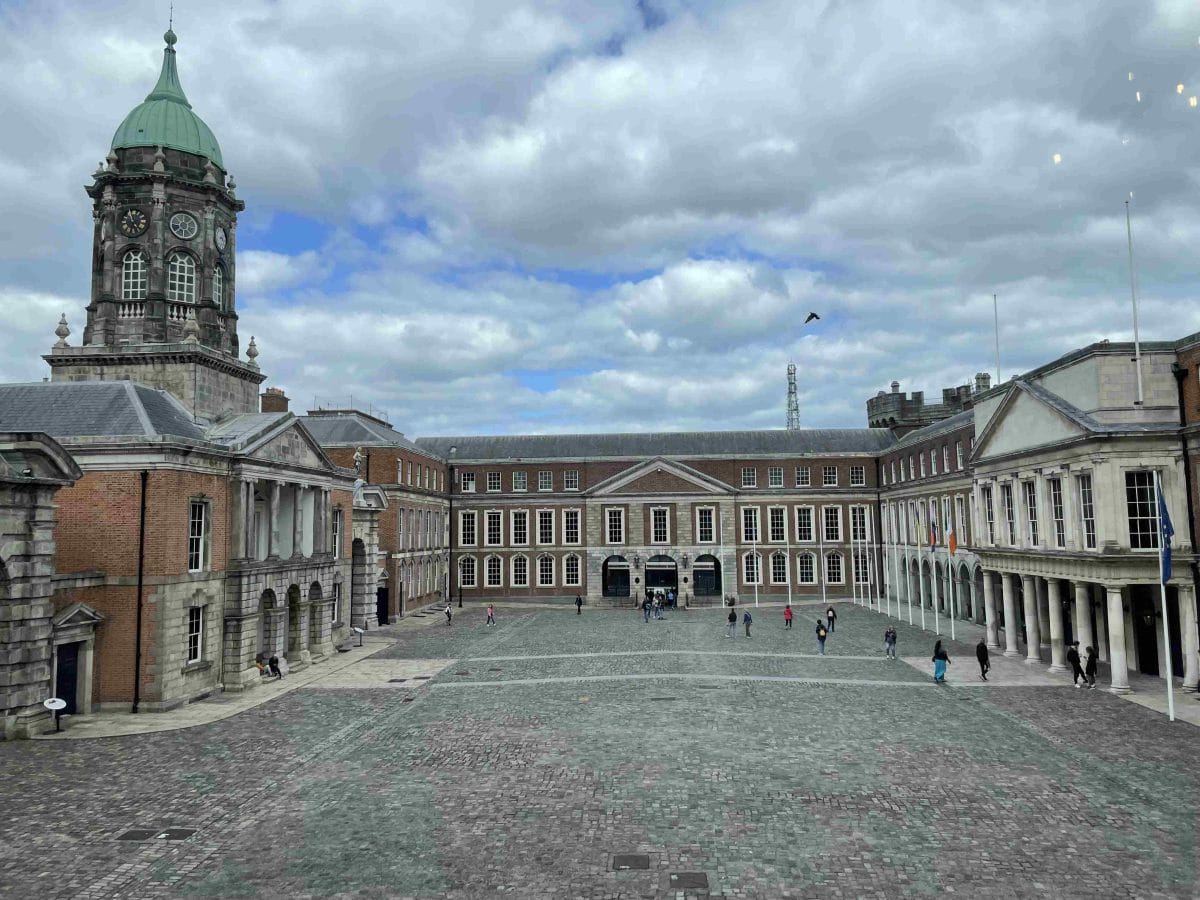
(141, 567)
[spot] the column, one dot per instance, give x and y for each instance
(977, 610)
(1033, 649)
(1010, 614)
(1119, 683)
(1191, 640)
(237, 537)
(1043, 608)
(248, 518)
(297, 519)
(273, 530)
(1058, 652)
(1083, 617)
(989, 611)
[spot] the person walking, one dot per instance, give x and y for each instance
(658, 606)
(941, 659)
(747, 620)
(646, 610)
(831, 618)
(822, 633)
(578, 605)
(985, 664)
(670, 598)
(449, 614)
(787, 616)
(273, 663)
(1089, 670)
(1076, 667)
(491, 615)
(889, 642)
(731, 623)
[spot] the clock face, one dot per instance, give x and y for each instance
(220, 238)
(184, 226)
(133, 222)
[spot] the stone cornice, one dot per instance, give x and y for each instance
(141, 354)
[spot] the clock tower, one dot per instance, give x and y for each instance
(162, 309)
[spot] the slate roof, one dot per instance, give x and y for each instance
(241, 429)
(352, 430)
(670, 443)
(91, 409)
(953, 423)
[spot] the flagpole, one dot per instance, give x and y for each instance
(758, 562)
(907, 579)
(1137, 344)
(886, 574)
(953, 592)
(1163, 537)
(920, 580)
(821, 573)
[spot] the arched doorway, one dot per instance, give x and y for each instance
(295, 644)
(315, 595)
(662, 574)
(381, 598)
(614, 577)
(706, 576)
(269, 614)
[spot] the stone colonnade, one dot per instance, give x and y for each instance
(246, 542)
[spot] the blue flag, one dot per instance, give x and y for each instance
(1166, 532)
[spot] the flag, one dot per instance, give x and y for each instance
(932, 529)
(1165, 531)
(951, 540)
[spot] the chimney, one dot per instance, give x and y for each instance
(895, 387)
(983, 382)
(274, 400)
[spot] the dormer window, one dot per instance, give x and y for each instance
(181, 278)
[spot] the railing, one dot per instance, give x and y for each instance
(177, 312)
(131, 310)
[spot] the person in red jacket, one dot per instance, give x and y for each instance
(787, 616)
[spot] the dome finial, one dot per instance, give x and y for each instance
(169, 37)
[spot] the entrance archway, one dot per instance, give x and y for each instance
(614, 577)
(268, 624)
(295, 644)
(662, 573)
(706, 576)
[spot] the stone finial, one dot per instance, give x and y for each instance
(160, 164)
(231, 184)
(210, 172)
(99, 169)
(252, 354)
(112, 162)
(191, 328)
(63, 330)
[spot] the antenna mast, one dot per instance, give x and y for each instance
(793, 401)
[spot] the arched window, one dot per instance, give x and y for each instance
(752, 568)
(181, 278)
(571, 570)
(833, 568)
(134, 276)
(218, 286)
(779, 568)
(492, 572)
(806, 569)
(545, 571)
(466, 571)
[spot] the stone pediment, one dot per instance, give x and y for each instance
(291, 447)
(77, 614)
(1026, 421)
(660, 476)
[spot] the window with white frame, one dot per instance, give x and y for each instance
(1056, 512)
(806, 569)
(181, 278)
(468, 481)
(492, 528)
(946, 518)
(335, 608)
(520, 528)
(912, 472)
(960, 521)
(779, 568)
(492, 572)
(989, 510)
(803, 476)
(571, 480)
(833, 522)
(914, 523)
(777, 524)
(425, 478)
(945, 457)
(466, 529)
(545, 571)
(858, 476)
(883, 476)
(752, 568)
(520, 481)
(804, 524)
(195, 634)
(705, 525)
(520, 571)
(466, 571)
(135, 275)
(894, 471)
(858, 523)
(749, 477)
(829, 476)
(336, 533)
(571, 571)
(545, 480)
(545, 533)
(933, 470)
(1010, 515)
(409, 477)
(614, 521)
(1087, 510)
(401, 515)
(570, 526)
(660, 526)
(861, 573)
(833, 569)
(958, 455)
(493, 482)
(922, 462)
(199, 535)
(1029, 490)
(1140, 510)
(750, 524)
(774, 476)
(934, 535)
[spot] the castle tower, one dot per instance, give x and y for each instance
(162, 309)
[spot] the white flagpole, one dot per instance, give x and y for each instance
(886, 574)
(953, 591)
(907, 579)
(787, 541)
(1162, 589)
(1137, 344)
(821, 555)
(759, 575)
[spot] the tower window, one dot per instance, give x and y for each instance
(181, 278)
(134, 276)
(218, 286)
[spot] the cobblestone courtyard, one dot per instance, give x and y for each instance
(554, 743)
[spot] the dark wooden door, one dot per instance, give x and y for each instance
(67, 676)
(381, 605)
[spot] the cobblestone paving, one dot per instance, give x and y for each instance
(857, 778)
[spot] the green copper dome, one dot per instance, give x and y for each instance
(165, 117)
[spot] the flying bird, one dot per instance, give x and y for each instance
(811, 316)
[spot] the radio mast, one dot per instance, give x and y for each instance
(793, 400)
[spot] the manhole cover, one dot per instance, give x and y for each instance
(630, 861)
(397, 680)
(137, 834)
(176, 834)
(689, 880)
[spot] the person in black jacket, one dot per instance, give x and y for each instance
(1076, 668)
(732, 623)
(1090, 666)
(941, 659)
(981, 654)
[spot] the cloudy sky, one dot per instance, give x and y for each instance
(490, 217)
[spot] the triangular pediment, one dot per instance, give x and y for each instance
(290, 446)
(76, 614)
(660, 476)
(1026, 421)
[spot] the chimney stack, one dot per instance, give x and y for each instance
(983, 382)
(895, 387)
(274, 400)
